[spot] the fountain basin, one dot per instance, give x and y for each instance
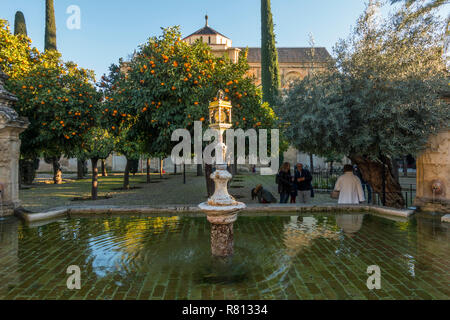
(269, 260)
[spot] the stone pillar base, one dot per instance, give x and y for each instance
(7, 208)
(222, 240)
(430, 205)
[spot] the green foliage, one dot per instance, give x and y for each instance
(17, 57)
(270, 76)
(383, 95)
(20, 26)
(421, 7)
(59, 100)
(168, 85)
(98, 143)
(50, 26)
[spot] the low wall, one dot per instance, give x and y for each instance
(270, 209)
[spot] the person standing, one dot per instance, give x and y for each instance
(284, 182)
(294, 191)
(303, 180)
(364, 184)
(349, 187)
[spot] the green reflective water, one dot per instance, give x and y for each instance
(317, 256)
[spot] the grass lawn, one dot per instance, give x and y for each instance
(167, 191)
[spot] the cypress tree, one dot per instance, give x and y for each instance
(269, 56)
(50, 26)
(20, 26)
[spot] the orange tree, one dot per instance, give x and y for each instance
(59, 100)
(169, 83)
(122, 118)
(97, 143)
(17, 57)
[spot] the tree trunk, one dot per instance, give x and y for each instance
(199, 170)
(395, 170)
(235, 165)
(372, 172)
(80, 169)
(27, 171)
(104, 172)
(126, 176)
(311, 162)
(94, 190)
(57, 172)
(210, 187)
(161, 167)
(148, 170)
(405, 167)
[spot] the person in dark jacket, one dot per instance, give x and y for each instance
(284, 182)
(294, 190)
(263, 195)
(364, 184)
(303, 179)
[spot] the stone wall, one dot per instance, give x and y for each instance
(11, 125)
(433, 172)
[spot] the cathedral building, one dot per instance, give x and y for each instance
(294, 62)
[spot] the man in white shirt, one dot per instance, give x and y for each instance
(349, 187)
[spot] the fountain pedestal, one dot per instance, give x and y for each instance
(221, 209)
(11, 125)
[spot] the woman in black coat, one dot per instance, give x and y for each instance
(284, 179)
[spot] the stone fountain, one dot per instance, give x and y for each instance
(11, 125)
(433, 175)
(221, 209)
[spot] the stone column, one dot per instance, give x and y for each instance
(433, 175)
(222, 238)
(11, 125)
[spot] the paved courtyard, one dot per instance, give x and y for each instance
(167, 191)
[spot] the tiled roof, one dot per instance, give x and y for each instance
(206, 31)
(291, 55)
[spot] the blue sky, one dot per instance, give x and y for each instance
(113, 29)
